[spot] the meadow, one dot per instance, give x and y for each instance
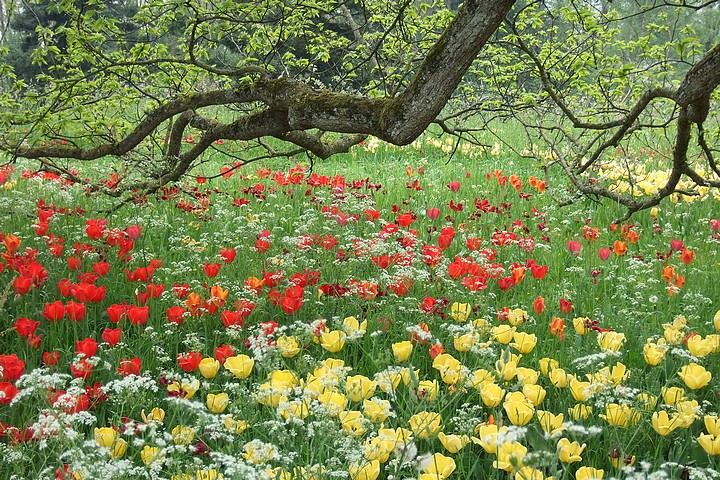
(388, 314)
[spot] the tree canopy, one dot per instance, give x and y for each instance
(586, 80)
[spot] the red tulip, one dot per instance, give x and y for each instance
(604, 253)
(25, 327)
(51, 358)
(138, 315)
(211, 269)
(88, 347)
(117, 312)
(176, 314)
(574, 247)
(565, 305)
(111, 336)
(539, 272)
(676, 245)
(189, 361)
(433, 213)
(539, 305)
(54, 312)
(228, 254)
(129, 366)
(95, 229)
(506, 283)
(454, 186)
(101, 268)
(11, 367)
(133, 231)
(75, 311)
(8, 391)
(81, 369)
(223, 352)
(22, 285)
(181, 290)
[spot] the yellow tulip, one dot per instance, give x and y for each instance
(699, 347)
(510, 456)
(506, 370)
(449, 367)
(336, 402)
(258, 452)
(687, 412)
(672, 395)
(529, 473)
(207, 474)
(519, 412)
(663, 423)
(580, 411)
(527, 376)
(151, 454)
(293, 409)
(105, 436)
(182, 435)
(486, 436)
(460, 311)
(547, 365)
(185, 389)
(333, 341)
(695, 376)
(156, 415)
(610, 341)
(524, 342)
(388, 380)
(402, 350)
(569, 452)
(239, 365)
(365, 471)
(427, 390)
(217, 403)
(287, 346)
(559, 378)
(379, 449)
(481, 377)
(453, 443)
(712, 425)
(465, 342)
(492, 394)
(353, 422)
(208, 367)
(440, 465)
(425, 424)
(359, 388)
(709, 443)
(534, 393)
(619, 415)
(550, 422)
(517, 316)
(503, 333)
(589, 473)
(353, 327)
(377, 410)
(119, 448)
(673, 336)
(580, 325)
(234, 425)
(619, 374)
(654, 353)
(716, 320)
(581, 391)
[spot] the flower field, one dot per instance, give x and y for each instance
(384, 315)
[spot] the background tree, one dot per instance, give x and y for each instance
(584, 79)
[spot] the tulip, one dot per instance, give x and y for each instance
(503, 333)
(217, 403)
(581, 391)
(589, 473)
(709, 443)
(105, 436)
(517, 317)
(287, 346)
(529, 473)
(524, 342)
(294, 409)
(519, 412)
(367, 471)
(333, 341)
(695, 376)
(208, 367)
(353, 327)
(119, 448)
(353, 422)
(712, 425)
(465, 342)
(427, 390)
(699, 347)
(156, 415)
(672, 395)
(283, 380)
(182, 435)
(580, 411)
(440, 465)
(663, 423)
(619, 415)
(580, 324)
(481, 377)
(402, 350)
(239, 365)
(550, 422)
(425, 424)
(654, 353)
(569, 452)
(460, 311)
(184, 390)
(527, 376)
(453, 443)
(150, 454)
(610, 341)
(235, 426)
(336, 402)
(492, 394)
(534, 393)
(377, 410)
(359, 388)
(487, 436)
(510, 456)
(449, 368)
(559, 378)
(547, 365)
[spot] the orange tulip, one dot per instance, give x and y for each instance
(619, 248)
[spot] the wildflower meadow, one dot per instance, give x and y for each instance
(395, 313)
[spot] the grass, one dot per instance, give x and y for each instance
(358, 254)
